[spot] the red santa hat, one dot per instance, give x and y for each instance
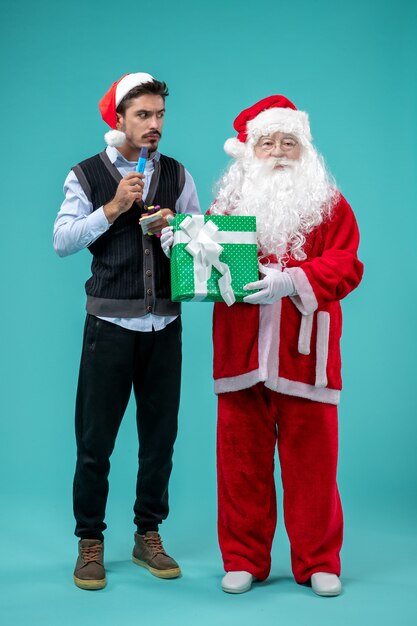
(272, 114)
(111, 100)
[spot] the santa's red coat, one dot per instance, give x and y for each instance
(293, 345)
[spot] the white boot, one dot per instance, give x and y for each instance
(237, 582)
(324, 584)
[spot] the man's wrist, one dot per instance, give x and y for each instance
(111, 211)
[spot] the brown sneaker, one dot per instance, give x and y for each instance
(149, 552)
(89, 570)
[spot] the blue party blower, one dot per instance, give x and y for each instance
(142, 160)
(153, 213)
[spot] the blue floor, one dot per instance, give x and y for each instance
(379, 578)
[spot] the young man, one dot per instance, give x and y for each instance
(132, 335)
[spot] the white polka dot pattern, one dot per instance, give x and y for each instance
(242, 260)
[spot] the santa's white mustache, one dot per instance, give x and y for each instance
(270, 164)
(281, 161)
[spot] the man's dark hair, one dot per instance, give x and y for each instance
(153, 88)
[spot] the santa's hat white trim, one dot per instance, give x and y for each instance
(130, 81)
(276, 119)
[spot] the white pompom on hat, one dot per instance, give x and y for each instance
(115, 138)
(272, 114)
(112, 98)
(234, 147)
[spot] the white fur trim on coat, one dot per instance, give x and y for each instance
(305, 300)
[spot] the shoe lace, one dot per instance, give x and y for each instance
(91, 553)
(154, 543)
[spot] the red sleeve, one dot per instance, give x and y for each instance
(337, 270)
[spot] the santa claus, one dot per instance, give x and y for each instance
(277, 355)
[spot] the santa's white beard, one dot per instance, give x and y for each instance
(288, 203)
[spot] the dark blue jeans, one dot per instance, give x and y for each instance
(113, 360)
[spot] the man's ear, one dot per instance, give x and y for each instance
(119, 121)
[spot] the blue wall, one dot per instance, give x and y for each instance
(352, 67)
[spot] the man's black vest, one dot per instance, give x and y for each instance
(130, 273)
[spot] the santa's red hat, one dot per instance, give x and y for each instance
(272, 114)
(111, 100)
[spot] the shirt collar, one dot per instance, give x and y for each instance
(114, 155)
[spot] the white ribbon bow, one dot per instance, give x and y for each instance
(201, 242)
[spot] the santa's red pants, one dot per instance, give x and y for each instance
(250, 422)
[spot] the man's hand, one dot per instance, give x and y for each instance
(156, 227)
(274, 286)
(129, 190)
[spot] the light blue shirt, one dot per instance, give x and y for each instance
(77, 225)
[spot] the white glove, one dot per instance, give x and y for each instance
(167, 239)
(274, 286)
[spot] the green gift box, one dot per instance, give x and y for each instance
(213, 257)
